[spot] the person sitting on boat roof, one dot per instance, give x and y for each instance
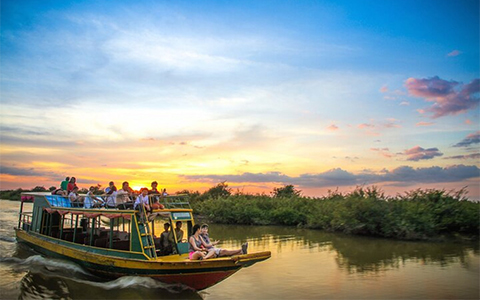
(164, 193)
(71, 185)
(165, 245)
(196, 246)
(219, 251)
(64, 184)
(154, 189)
(142, 199)
(123, 196)
(59, 192)
(155, 196)
(74, 198)
(92, 201)
(111, 192)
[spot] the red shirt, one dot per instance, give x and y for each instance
(70, 187)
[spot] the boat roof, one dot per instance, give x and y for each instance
(61, 204)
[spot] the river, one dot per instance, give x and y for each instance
(305, 264)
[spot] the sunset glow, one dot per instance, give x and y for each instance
(260, 94)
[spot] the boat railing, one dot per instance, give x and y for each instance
(121, 201)
(26, 220)
(171, 201)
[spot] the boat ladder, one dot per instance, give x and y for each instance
(145, 234)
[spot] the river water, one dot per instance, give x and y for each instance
(305, 264)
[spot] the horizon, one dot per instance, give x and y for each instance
(321, 95)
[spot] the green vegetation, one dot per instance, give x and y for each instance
(419, 214)
(416, 215)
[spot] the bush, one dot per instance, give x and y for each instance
(419, 214)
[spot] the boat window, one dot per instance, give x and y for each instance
(163, 240)
(181, 216)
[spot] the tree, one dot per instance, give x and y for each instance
(39, 189)
(287, 191)
(221, 190)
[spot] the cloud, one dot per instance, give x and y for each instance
(332, 127)
(365, 125)
(418, 153)
(454, 53)
(424, 123)
(384, 89)
(467, 156)
(449, 97)
(471, 139)
(404, 175)
(385, 152)
(15, 171)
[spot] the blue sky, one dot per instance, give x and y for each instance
(263, 93)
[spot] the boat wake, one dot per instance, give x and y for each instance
(64, 279)
(135, 282)
(40, 263)
(8, 239)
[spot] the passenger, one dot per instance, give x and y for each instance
(155, 196)
(74, 198)
(59, 192)
(64, 184)
(142, 199)
(154, 189)
(123, 195)
(195, 246)
(164, 193)
(219, 251)
(165, 245)
(71, 184)
(111, 192)
(92, 201)
(178, 232)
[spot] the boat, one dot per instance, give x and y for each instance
(121, 241)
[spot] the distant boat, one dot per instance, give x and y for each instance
(120, 242)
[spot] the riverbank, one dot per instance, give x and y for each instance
(417, 215)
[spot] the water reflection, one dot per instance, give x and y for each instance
(354, 254)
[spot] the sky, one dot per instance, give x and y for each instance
(323, 95)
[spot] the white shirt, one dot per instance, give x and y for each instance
(88, 202)
(72, 196)
(141, 199)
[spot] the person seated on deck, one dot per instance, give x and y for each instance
(155, 196)
(142, 199)
(59, 192)
(154, 189)
(165, 245)
(219, 252)
(72, 184)
(196, 245)
(111, 193)
(74, 198)
(124, 196)
(178, 232)
(92, 201)
(164, 193)
(64, 184)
